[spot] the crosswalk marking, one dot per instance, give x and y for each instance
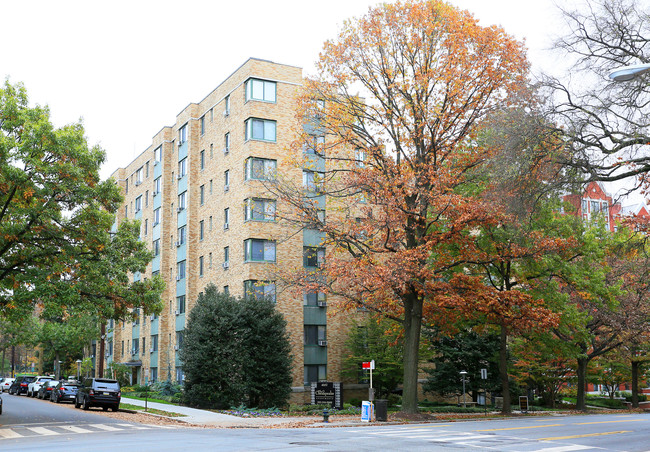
(75, 429)
(565, 448)
(108, 428)
(9, 433)
(460, 437)
(134, 427)
(43, 431)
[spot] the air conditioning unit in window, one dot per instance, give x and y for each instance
(175, 347)
(225, 226)
(226, 113)
(178, 277)
(135, 323)
(176, 313)
(322, 343)
(226, 151)
(155, 193)
(152, 318)
(226, 265)
(156, 162)
(134, 352)
(180, 143)
(322, 304)
(179, 209)
(138, 183)
(151, 350)
(226, 187)
(178, 243)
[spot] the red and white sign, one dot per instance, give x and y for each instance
(368, 365)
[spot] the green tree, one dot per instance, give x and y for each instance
(379, 341)
(56, 215)
(236, 351)
(468, 351)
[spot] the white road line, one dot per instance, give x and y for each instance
(134, 427)
(461, 438)
(9, 433)
(43, 431)
(566, 448)
(108, 428)
(75, 429)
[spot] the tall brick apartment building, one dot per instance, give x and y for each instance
(199, 193)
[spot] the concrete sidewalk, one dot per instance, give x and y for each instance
(209, 418)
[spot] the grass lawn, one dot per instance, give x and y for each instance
(127, 406)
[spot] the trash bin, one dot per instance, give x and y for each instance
(381, 410)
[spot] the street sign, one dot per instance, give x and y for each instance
(483, 374)
(368, 365)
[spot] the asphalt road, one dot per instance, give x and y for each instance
(34, 425)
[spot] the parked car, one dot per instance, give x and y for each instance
(99, 392)
(46, 389)
(0, 405)
(5, 383)
(64, 391)
(34, 386)
(20, 385)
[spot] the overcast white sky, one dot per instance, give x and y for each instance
(127, 68)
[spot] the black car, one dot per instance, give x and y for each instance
(46, 389)
(64, 391)
(20, 385)
(99, 392)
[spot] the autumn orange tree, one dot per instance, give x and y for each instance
(400, 98)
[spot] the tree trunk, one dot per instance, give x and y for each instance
(582, 384)
(57, 366)
(102, 334)
(635, 384)
(503, 370)
(13, 361)
(2, 368)
(412, 327)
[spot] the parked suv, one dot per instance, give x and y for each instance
(34, 386)
(99, 392)
(20, 385)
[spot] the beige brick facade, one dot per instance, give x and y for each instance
(202, 179)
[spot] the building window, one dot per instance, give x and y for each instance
(126, 187)
(146, 226)
(226, 256)
(156, 247)
(259, 209)
(200, 265)
(146, 171)
(154, 342)
(360, 158)
(157, 154)
(258, 250)
(315, 146)
(182, 168)
(180, 269)
(135, 346)
(201, 229)
(260, 129)
(226, 111)
(260, 169)
(312, 181)
(146, 198)
(226, 218)
(313, 256)
(226, 180)
(181, 235)
(138, 204)
(260, 90)
(202, 194)
(315, 334)
(315, 373)
(210, 223)
(210, 260)
(211, 114)
(126, 211)
(315, 299)
(202, 123)
(259, 289)
(182, 201)
(156, 216)
(182, 134)
(226, 290)
(157, 185)
(210, 186)
(138, 176)
(202, 159)
(226, 139)
(179, 340)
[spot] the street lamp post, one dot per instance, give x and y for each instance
(78, 369)
(462, 377)
(627, 73)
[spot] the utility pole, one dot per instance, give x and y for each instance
(100, 366)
